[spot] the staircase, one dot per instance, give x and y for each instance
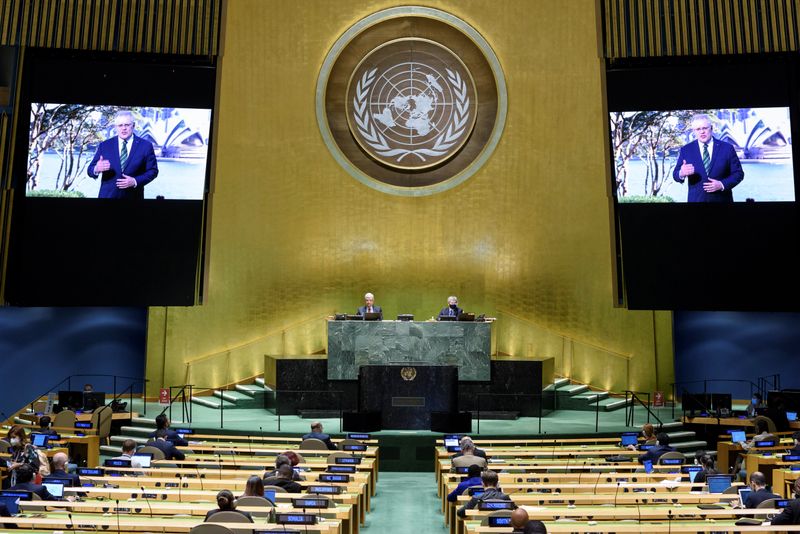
(579, 397)
(243, 396)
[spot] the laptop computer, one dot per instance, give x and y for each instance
(11, 499)
(692, 471)
(718, 483)
(629, 439)
(56, 489)
(40, 440)
(737, 436)
(791, 416)
(648, 466)
(144, 458)
(466, 317)
(744, 491)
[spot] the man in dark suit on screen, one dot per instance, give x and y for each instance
(370, 306)
(710, 165)
(125, 163)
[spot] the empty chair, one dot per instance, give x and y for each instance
(64, 419)
(276, 489)
(255, 501)
(231, 517)
(348, 441)
(313, 444)
(210, 528)
(157, 453)
(338, 454)
(101, 421)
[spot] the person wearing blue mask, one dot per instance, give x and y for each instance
(756, 403)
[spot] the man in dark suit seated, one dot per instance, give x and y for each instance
(490, 492)
(473, 479)
(758, 483)
(370, 306)
(283, 479)
(170, 451)
(791, 514)
(317, 433)
(25, 482)
(162, 421)
(60, 461)
(662, 447)
(452, 309)
(44, 426)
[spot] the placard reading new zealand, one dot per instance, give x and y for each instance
(411, 104)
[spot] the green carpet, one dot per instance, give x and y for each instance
(406, 502)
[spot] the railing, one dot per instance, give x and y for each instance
(186, 404)
(337, 395)
(134, 381)
(537, 408)
(761, 387)
(631, 398)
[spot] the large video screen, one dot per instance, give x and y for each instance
(703, 155)
(112, 152)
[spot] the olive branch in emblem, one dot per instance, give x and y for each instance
(444, 142)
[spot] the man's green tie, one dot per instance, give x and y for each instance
(706, 159)
(123, 154)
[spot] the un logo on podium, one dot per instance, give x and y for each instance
(401, 111)
(408, 373)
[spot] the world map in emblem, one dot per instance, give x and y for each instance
(411, 104)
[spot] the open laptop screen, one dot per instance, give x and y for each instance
(738, 436)
(11, 499)
(629, 439)
(743, 493)
(718, 483)
(143, 458)
(39, 440)
(56, 489)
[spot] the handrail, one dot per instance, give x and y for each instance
(186, 414)
(135, 380)
(753, 386)
(540, 396)
(337, 393)
(634, 396)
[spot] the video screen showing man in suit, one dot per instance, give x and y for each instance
(102, 151)
(710, 166)
(124, 163)
(717, 156)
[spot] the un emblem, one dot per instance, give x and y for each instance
(408, 373)
(411, 101)
(411, 104)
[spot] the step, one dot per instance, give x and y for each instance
(584, 402)
(251, 390)
(690, 445)
(318, 414)
(557, 383)
(231, 396)
(571, 390)
(610, 404)
(141, 440)
(212, 402)
(260, 381)
(683, 434)
(671, 424)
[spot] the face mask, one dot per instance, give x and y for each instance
(755, 401)
(15, 441)
(454, 306)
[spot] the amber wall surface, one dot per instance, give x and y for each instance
(293, 237)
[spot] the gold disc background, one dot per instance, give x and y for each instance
(410, 26)
(425, 48)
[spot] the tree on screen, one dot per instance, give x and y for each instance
(68, 131)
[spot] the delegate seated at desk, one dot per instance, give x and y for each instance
(170, 451)
(452, 309)
(370, 306)
(491, 492)
(162, 421)
(662, 447)
(791, 514)
(758, 483)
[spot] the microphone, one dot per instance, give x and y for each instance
(566, 468)
(147, 500)
(615, 494)
(180, 487)
(116, 509)
(638, 511)
(233, 458)
(580, 473)
(71, 524)
(219, 465)
(250, 445)
(669, 521)
(199, 477)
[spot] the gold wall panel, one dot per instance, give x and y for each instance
(647, 28)
(293, 237)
